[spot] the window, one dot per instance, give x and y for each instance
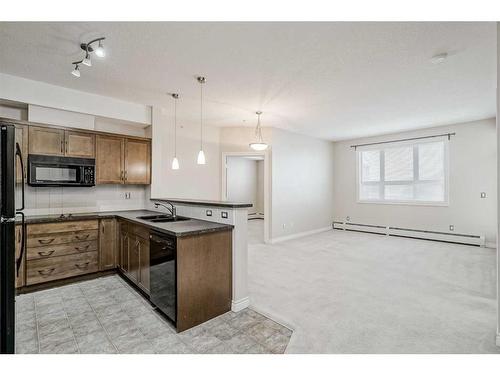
(404, 173)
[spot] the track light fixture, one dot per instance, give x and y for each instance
(87, 47)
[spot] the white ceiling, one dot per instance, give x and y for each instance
(330, 80)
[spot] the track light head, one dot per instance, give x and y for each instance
(86, 61)
(76, 71)
(99, 51)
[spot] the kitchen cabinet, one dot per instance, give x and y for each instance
(79, 144)
(109, 159)
(121, 160)
(60, 250)
(19, 276)
(60, 142)
(46, 141)
(137, 162)
(107, 244)
(134, 254)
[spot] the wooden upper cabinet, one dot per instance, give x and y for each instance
(46, 141)
(137, 162)
(109, 160)
(79, 144)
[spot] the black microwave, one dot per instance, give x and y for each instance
(44, 170)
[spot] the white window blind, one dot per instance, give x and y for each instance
(404, 172)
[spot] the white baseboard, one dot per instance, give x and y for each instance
(299, 235)
(240, 304)
(498, 339)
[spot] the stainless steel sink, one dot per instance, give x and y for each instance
(162, 218)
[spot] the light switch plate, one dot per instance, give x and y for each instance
(452, 228)
(483, 195)
(223, 214)
(208, 212)
(127, 195)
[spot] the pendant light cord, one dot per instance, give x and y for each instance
(175, 127)
(201, 115)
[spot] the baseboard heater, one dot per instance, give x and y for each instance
(467, 239)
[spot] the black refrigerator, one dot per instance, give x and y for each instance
(11, 159)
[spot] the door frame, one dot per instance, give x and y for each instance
(267, 185)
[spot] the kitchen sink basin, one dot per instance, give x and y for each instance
(152, 217)
(162, 218)
(169, 219)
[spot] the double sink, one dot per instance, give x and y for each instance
(162, 218)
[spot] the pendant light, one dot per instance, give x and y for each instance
(260, 145)
(201, 154)
(175, 161)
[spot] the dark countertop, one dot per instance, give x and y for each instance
(195, 202)
(179, 229)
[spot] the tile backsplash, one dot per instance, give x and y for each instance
(58, 200)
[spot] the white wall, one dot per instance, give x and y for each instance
(259, 203)
(13, 113)
(302, 183)
(472, 171)
(43, 94)
(242, 181)
(191, 181)
(498, 184)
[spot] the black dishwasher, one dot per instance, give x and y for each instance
(163, 270)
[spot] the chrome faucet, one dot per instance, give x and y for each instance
(171, 209)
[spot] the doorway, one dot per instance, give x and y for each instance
(245, 179)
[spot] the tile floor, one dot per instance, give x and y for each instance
(106, 315)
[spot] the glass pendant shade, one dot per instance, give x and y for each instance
(86, 61)
(175, 163)
(201, 158)
(100, 50)
(257, 146)
(76, 72)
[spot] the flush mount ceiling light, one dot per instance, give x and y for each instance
(201, 155)
(175, 161)
(87, 47)
(439, 58)
(260, 145)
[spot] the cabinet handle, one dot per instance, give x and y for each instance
(121, 176)
(46, 242)
(82, 249)
(125, 176)
(46, 253)
(46, 272)
(66, 146)
(62, 147)
(82, 266)
(82, 237)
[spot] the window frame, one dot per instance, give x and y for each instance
(380, 147)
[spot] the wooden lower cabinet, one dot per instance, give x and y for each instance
(108, 249)
(134, 254)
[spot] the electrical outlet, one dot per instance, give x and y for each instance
(483, 195)
(127, 195)
(208, 212)
(452, 228)
(348, 218)
(223, 214)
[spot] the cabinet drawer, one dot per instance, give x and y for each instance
(42, 252)
(68, 226)
(61, 238)
(54, 268)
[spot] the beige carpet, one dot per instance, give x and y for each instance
(346, 292)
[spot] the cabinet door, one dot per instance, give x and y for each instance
(22, 139)
(144, 264)
(79, 144)
(109, 160)
(133, 257)
(46, 141)
(19, 277)
(137, 162)
(124, 251)
(107, 244)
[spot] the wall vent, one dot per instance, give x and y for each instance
(460, 238)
